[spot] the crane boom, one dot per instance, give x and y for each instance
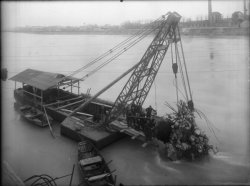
(137, 87)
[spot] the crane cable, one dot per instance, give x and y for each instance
(182, 74)
(175, 69)
(103, 55)
(117, 55)
(185, 66)
(140, 32)
(155, 96)
(174, 65)
(128, 46)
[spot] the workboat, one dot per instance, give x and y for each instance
(34, 115)
(93, 168)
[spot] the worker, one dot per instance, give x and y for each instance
(133, 108)
(107, 116)
(149, 129)
(149, 111)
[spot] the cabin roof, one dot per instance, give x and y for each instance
(40, 79)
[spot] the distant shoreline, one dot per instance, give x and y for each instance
(207, 31)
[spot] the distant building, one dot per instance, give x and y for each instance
(216, 17)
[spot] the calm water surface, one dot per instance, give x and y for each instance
(218, 71)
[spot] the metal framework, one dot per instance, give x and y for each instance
(137, 87)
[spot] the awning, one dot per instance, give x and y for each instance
(39, 79)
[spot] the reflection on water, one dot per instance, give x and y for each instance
(218, 72)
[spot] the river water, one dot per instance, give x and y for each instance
(218, 72)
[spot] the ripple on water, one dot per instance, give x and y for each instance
(165, 165)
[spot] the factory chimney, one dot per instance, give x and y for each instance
(245, 10)
(210, 12)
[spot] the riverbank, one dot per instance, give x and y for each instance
(216, 31)
(185, 31)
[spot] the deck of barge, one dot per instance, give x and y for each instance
(78, 131)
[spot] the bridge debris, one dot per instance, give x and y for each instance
(186, 140)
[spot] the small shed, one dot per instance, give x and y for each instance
(216, 17)
(35, 82)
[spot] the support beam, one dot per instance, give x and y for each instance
(78, 87)
(62, 101)
(80, 113)
(32, 94)
(70, 104)
(104, 89)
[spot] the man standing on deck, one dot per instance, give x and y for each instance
(149, 129)
(149, 111)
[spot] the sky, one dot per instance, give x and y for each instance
(78, 13)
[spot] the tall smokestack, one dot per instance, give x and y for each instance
(245, 9)
(210, 12)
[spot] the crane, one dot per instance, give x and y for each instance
(144, 72)
(137, 87)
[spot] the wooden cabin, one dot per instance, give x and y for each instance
(60, 94)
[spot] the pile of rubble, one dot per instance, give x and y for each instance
(186, 140)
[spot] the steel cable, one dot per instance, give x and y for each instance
(118, 46)
(184, 63)
(128, 46)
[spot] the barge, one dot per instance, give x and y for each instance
(88, 116)
(59, 96)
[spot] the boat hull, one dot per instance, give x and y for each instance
(33, 115)
(93, 168)
(56, 114)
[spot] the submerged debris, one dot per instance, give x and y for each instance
(186, 140)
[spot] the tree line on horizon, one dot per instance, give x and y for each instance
(217, 21)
